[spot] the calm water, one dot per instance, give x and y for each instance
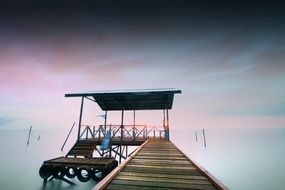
(19, 163)
(241, 159)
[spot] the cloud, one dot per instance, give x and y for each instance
(225, 66)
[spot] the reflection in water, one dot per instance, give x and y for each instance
(60, 185)
(19, 168)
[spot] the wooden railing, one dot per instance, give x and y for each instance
(125, 131)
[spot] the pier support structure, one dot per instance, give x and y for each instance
(114, 141)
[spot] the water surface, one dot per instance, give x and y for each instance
(241, 159)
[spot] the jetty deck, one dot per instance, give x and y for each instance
(158, 164)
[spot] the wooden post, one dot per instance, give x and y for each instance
(122, 134)
(205, 145)
(196, 136)
(30, 131)
(105, 123)
(134, 134)
(163, 117)
(167, 125)
(110, 149)
(105, 128)
(80, 118)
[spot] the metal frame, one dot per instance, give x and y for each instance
(128, 135)
(125, 136)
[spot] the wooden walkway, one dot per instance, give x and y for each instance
(158, 164)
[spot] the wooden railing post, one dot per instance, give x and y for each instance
(134, 125)
(167, 125)
(122, 134)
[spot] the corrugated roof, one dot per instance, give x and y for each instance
(135, 99)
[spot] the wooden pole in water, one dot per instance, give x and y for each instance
(67, 136)
(205, 144)
(30, 131)
(196, 136)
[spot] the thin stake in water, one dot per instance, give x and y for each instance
(205, 144)
(29, 135)
(196, 137)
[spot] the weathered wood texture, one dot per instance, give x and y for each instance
(160, 165)
(63, 161)
(83, 148)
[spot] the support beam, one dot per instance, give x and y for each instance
(105, 128)
(106, 115)
(163, 118)
(80, 118)
(122, 134)
(134, 133)
(167, 125)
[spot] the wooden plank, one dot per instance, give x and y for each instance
(160, 162)
(83, 161)
(132, 187)
(159, 158)
(128, 187)
(162, 171)
(82, 148)
(168, 180)
(152, 184)
(154, 175)
(164, 167)
(161, 155)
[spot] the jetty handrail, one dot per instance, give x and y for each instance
(67, 137)
(128, 131)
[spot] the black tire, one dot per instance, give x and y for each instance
(97, 174)
(45, 171)
(83, 174)
(115, 164)
(58, 172)
(70, 172)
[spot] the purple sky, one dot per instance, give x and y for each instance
(228, 62)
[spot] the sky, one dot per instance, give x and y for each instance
(227, 58)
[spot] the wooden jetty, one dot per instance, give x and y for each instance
(158, 164)
(155, 162)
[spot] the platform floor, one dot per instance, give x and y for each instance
(105, 162)
(158, 165)
(116, 141)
